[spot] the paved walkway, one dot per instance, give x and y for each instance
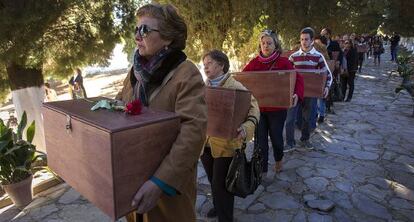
(363, 167)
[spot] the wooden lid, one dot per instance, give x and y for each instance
(107, 120)
(275, 72)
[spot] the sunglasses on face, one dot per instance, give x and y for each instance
(143, 31)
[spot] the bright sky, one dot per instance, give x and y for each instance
(119, 60)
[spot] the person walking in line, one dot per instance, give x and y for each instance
(307, 59)
(320, 45)
(395, 41)
(162, 78)
(378, 49)
(347, 79)
(218, 152)
(272, 119)
(361, 43)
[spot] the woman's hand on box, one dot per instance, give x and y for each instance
(241, 133)
(147, 197)
(295, 99)
(325, 92)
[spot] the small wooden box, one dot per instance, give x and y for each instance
(270, 88)
(314, 83)
(227, 110)
(362, 48)
(106, 155)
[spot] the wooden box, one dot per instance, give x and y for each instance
(227, 110)
(314, 83)
(270, 88)
(361, 48)
(106, 155)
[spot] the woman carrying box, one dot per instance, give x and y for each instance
(162, 78)
(218, 152)
(272, 119)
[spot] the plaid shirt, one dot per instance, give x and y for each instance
(307, 61)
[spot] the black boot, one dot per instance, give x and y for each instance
(212, 213)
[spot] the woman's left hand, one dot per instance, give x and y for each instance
(147, 197)
(325, 92)
(241, 133)
(295, 99)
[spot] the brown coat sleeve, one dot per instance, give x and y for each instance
(126, 92)
(178, 166)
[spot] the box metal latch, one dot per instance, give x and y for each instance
(68, 124)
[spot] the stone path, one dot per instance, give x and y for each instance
(363, 168)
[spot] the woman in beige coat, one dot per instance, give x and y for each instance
(218, 152)
(163, 79)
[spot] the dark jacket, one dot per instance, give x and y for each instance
(395, 40)
(78, 79)
(334, 47)
(352, 60)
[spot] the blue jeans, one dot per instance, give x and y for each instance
(321, 107)
(305, 111)
(290, 125)
(271, 124)
(394, 51)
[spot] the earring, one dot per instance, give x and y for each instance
(166, 47)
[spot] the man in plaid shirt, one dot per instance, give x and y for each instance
(306, 59)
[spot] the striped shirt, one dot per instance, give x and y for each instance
(312, 60)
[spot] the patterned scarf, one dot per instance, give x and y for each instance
(269, 59)
(151, 73)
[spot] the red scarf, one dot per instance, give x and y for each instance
(269, 59)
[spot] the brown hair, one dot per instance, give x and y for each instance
(171, 25)
(308, 30)
(219, 57)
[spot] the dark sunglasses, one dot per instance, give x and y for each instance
(143, 30)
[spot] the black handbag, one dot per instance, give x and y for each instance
(243, 176)
(336, 91)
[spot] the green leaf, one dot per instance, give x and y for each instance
(14, 149)
(22, 125)
(7, 135)
(31, 132)
(3, 127)
(5, 144)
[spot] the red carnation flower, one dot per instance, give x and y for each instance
(134, 107)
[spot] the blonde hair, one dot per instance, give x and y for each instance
(171, 25)
(272, 34)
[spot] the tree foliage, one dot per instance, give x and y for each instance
(56, 36)
(230, 25)
(399, 17)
